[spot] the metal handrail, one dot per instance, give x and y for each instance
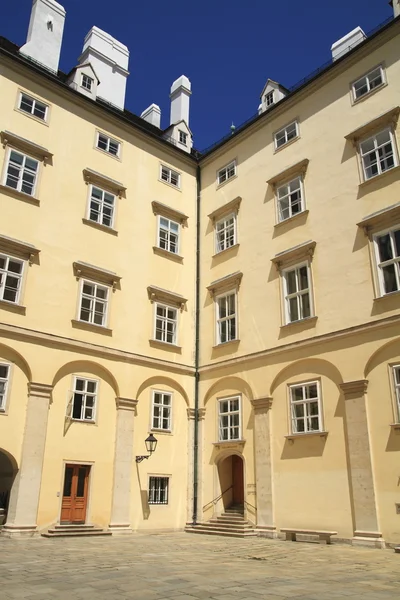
(217, 498)
(248, 504)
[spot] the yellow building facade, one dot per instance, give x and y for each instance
(241, 305)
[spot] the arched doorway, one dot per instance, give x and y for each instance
(231, 479)
(8, 471)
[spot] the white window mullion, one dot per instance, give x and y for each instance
(4, 384)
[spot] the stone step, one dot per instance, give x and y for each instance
(234, 518)
(228, 521)
(226, 533)
(397, 549)
(63, 534)
(221, 527)
(82, 527)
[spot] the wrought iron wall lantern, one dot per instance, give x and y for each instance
(151, 445)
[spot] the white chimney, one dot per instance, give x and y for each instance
(109, 58)
(180, 98)
(347, 43)
(396, 8)
(152, 115)
(45, 33)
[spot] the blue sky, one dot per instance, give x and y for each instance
(228, 49)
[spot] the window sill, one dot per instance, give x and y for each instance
(165, 346)
(91, 327)
(292, 218)
(115, 156)
(220, 185)
(20, 195)
(386, 296)
(3, 412)
(167, 254)
(171, 185)
(395, 426)
(161, 431)
(83, 421)
(224, 344)
(310, 320)
(289, 143)
(100, 226)
(379, 177)
(226, 251)
(367, 95)
(295, 436)
(30, 116)
(229, 444)
(11, 307)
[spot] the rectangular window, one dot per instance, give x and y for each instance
(168, 235)
(33, 106)
(229, 419)
(170, 176)
(22, 171)
(11, 271)
(387, 247)
(108, 144)
(227, 172)
(166, 324)
(94, 300)
(4, 381)
(396, 381)
(101, 208)
(305, 404)
(284, 135)
(226, 318)
(183, 138)
(290, 199)
(161, 412)
(158, 490)
(225, 233)
(297, 292)
(87, 82)
(84, 399)
(377, 154)
(369, 82)
(269, 98)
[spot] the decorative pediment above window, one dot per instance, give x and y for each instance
(231, 207)
(388, 118)
(381, 219)
(230, 282)
(94, 177)
(157, 294)
(170, 213)
(11, 139)
(294, 255)
(296, 169)
(83, 270)
(18, 248)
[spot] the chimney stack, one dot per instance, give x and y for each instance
(45, 33)
(180, 98)
(152, 115)
(347, 42)
(396, 7)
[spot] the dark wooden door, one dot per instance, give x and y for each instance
(75, 494)
(237, 480)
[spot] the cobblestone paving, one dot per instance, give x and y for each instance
(181, 566)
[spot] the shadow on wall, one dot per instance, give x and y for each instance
(393, 443)
(303, 447)
(143, 497)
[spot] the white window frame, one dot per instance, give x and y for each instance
(305, 402)
(396, 386)
(85, 393)
(183, 137)
(287, 297)
(162, 407)
(168, 234)
(101, 204)
(227, 173)
(109, 141)
(288, 195)
(165, 320)
(367, 83)
(106, 302)
(362, 154)
(87, 79)
(227, 237)
(25, 156)
(4, 274)
(168, 175)
(219, 320)
(269, 98)
(230, 413)
(379, 265)
(6, 381)
(284, 131)
(155, 490)
(35, 102)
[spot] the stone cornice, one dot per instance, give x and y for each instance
(304, 251)
(230, 207)
(388, 118)
(125, 403)
(354, 388)
(262, 404)
(297, 169)
(15, 141)
(227, 283)
(40, 390)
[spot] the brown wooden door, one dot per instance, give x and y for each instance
(75, 494)
(237, 480)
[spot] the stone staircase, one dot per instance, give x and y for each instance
(63, 531)
(230, 524)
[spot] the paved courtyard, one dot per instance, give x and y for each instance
(188, 567)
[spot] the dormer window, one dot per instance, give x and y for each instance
(87, 82)
(183, 138)
(269, 98)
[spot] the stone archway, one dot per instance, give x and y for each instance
(8, 472)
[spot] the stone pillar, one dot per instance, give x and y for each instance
(361, 474)
(263, 464)
(24, 497)
(123, 461)
(190, 481)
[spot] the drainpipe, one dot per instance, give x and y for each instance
(196, 354)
